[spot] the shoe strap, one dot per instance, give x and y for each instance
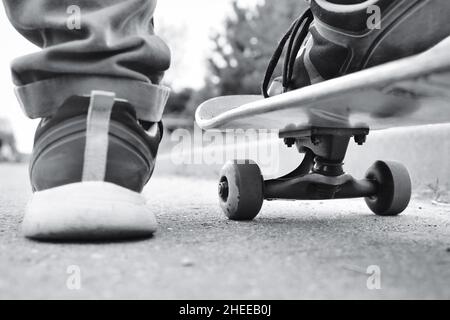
(97, 128)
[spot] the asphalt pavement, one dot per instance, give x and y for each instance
(293, 250)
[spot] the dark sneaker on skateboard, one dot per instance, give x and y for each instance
(335, 38)
(90, 162)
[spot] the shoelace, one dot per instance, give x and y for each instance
(296, 36)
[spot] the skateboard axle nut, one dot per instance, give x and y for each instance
(289, 142)
(360, 139)
(223, 189)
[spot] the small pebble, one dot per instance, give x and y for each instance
(96, 256)
(448, 250)
(186, 262)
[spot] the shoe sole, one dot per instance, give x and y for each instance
(88, 211)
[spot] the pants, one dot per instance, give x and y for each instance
(89, 45)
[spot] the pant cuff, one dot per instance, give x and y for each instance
(41, 99)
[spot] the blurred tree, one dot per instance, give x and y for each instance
(243, 50)
(176, 105)
(176, 108)
(8, 150)
(240, 55)
(175, 37)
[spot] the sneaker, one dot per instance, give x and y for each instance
(337, 37)
(90, 162)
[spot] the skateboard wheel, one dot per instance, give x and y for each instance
(241, 190)
(394, 188)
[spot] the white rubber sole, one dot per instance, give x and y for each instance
(88, 211)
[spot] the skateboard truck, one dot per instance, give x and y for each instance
(320, 176)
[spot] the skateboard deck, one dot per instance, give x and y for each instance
(407, 92)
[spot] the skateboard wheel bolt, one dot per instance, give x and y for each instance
(223, 190)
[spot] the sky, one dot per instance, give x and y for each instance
(193, 20)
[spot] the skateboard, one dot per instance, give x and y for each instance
(321, 120)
